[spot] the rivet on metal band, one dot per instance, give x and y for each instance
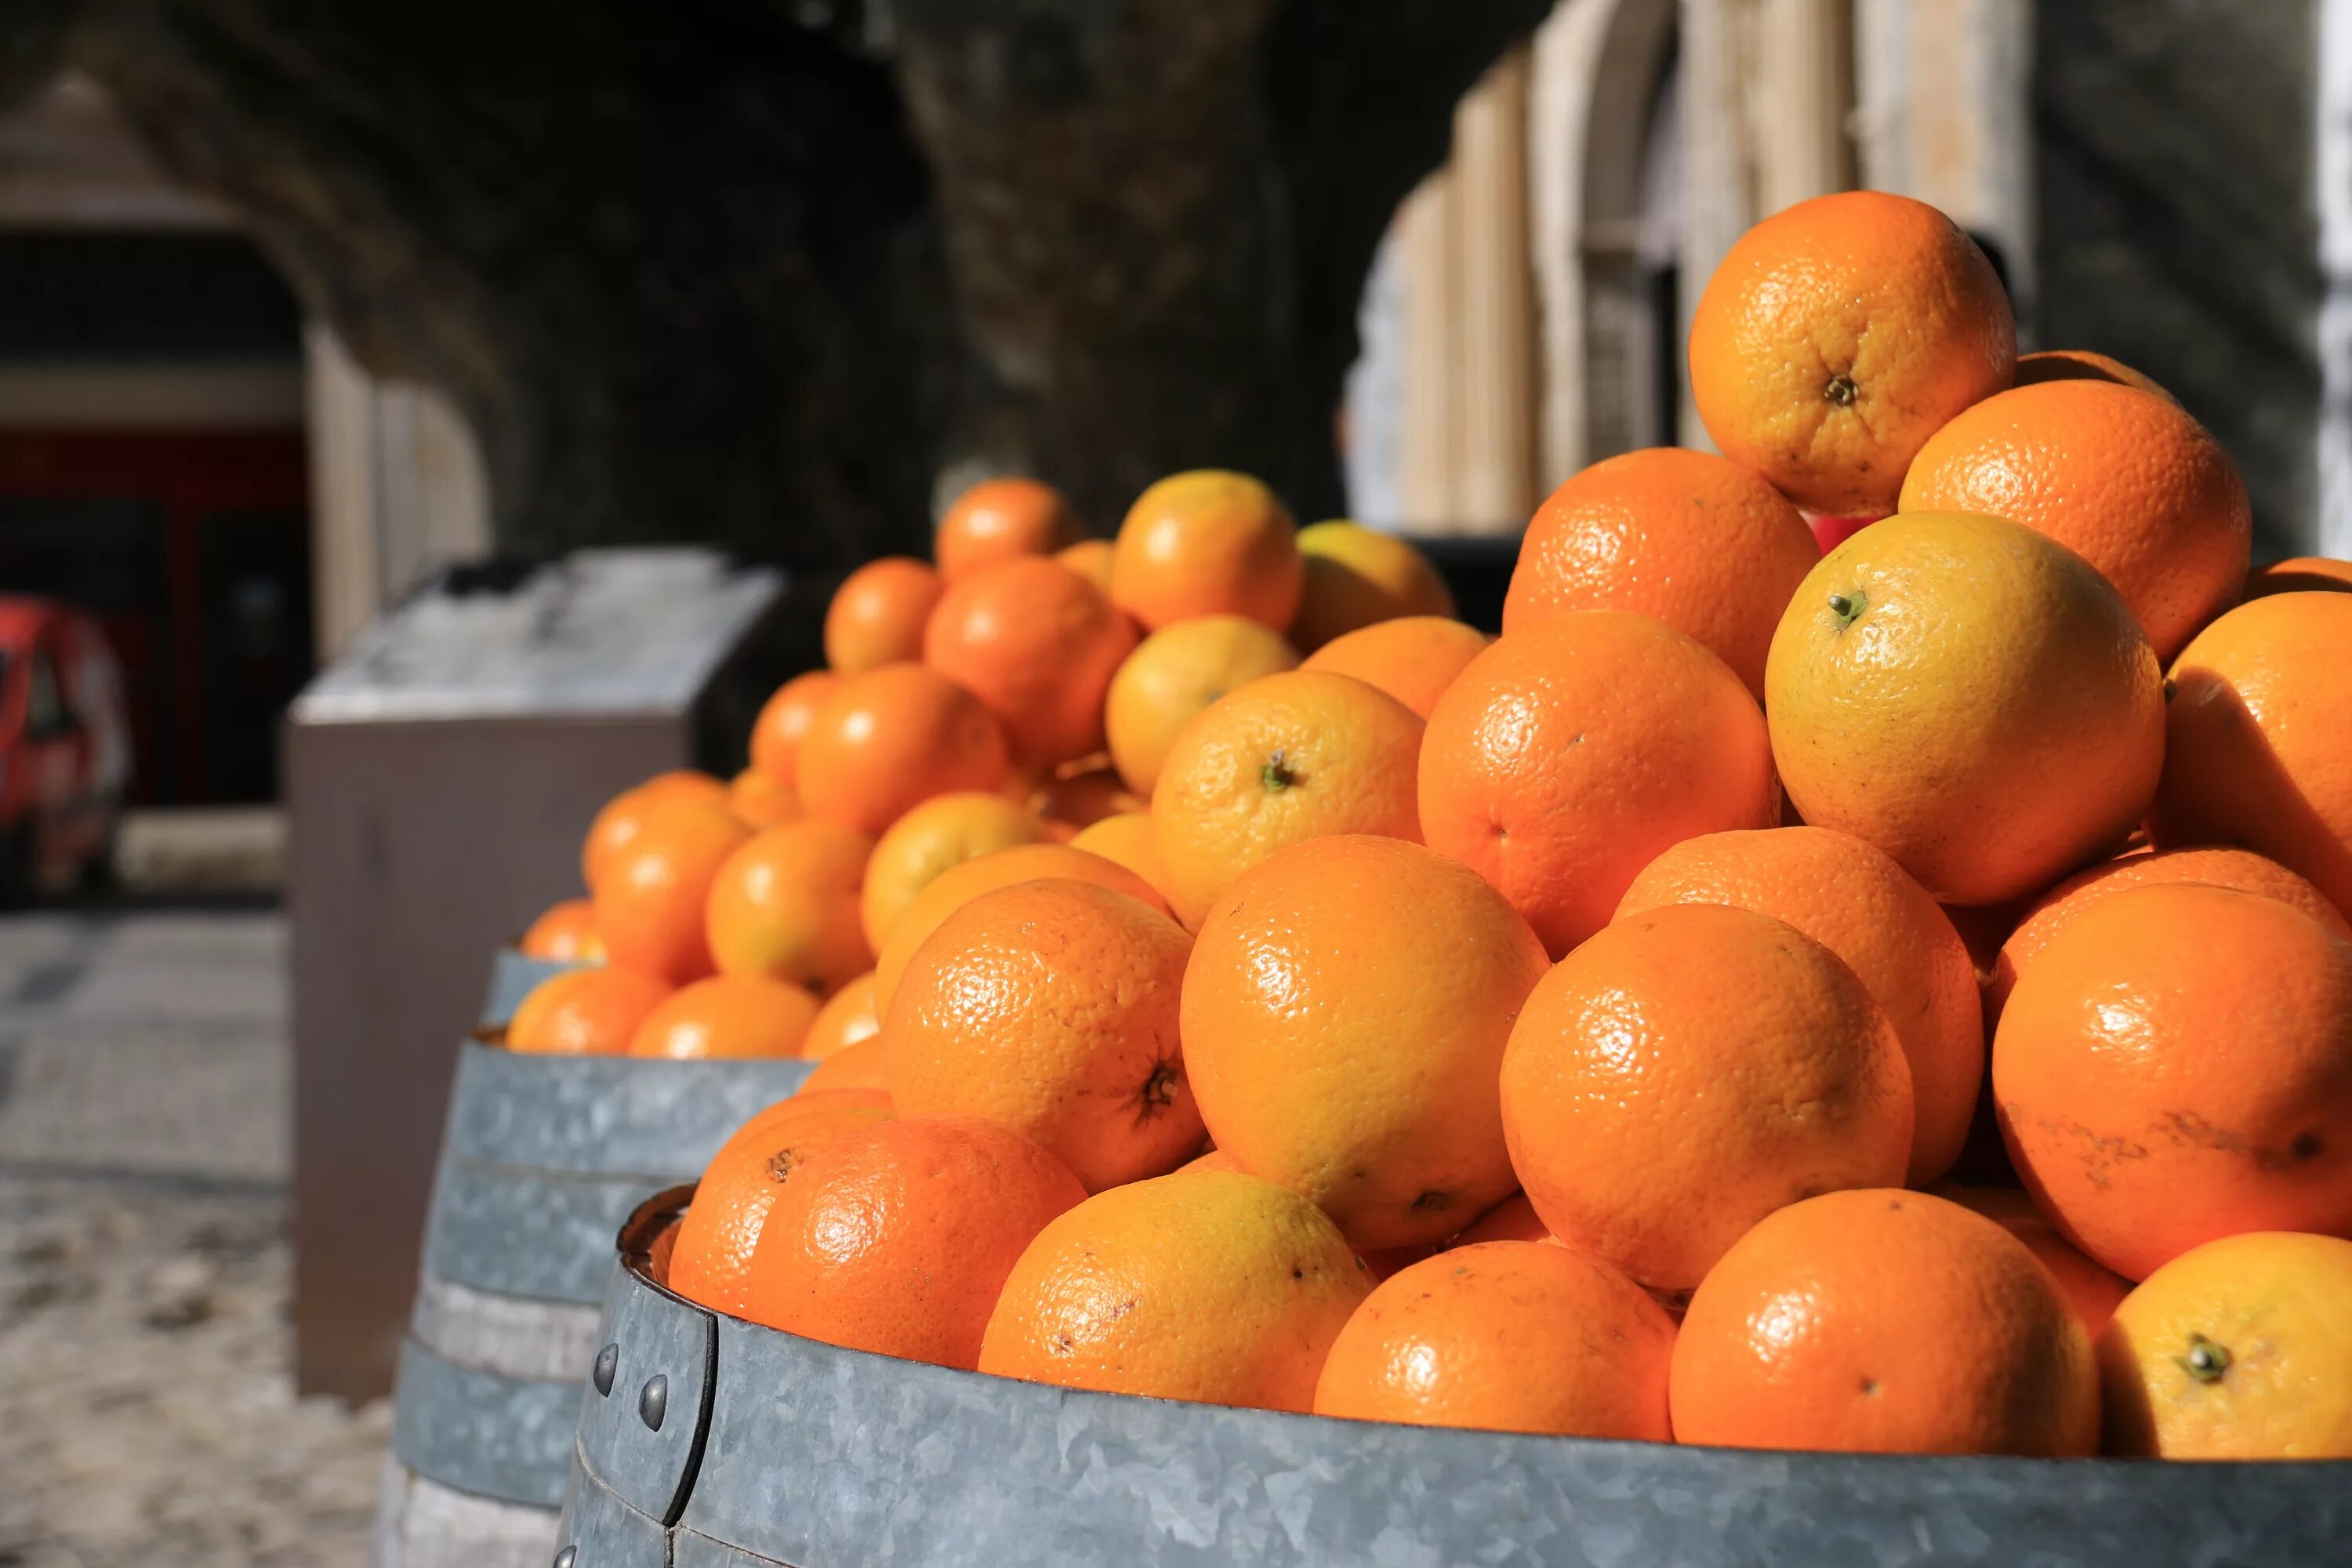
(608, 1362)
(654, 1403)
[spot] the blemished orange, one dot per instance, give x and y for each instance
(619, 821)
(861, 1064)
(1174, 674)
(954, 887)
(897, 1237)
(1862, 906)
(1293, 756)
(2256, 750)
(2241, 1349)
(564, 932)
(877, 615)
(726, 1018)
(1001, 520)
(847, 1019)
(1573, 752)
(1345, 1013)
(1971, 696)
(1203, 1285)
(1885, 1322)
(1686, 537)
(760, 801)
(2176, 1066)
(1836, 336)
(712, 1253)
(1090, 559)
(1513, 1219)
(1037, 644)
(2123, 477)
(1077, 801)
(1413, 658)
(941, 833)
(1208, 543)
(2081, 364)
(784, 717)
(2092, 1291)
(1357, 577)
(1126, 839)
(785, 906)
(650, 897)
(1687, 1071)
(2301, 575)
(584, 1012)
(1505, 1336)
(1051, 1006)
(891, 739)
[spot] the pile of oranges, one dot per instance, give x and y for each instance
(1895, 999)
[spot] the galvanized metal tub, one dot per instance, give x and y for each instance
(542, 1159)
(705, 1441)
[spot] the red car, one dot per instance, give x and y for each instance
(64, 749)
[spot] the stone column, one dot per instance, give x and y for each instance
(1426, 251)
(1495, 438)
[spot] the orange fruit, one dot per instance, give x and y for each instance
(1211, 1160)
(1126, 839)
(1204, 1284)
(1079, 800)
(1413, 658)
(1862, 906)
(1885, 1322)
(1037, 644)
(712, 1254)
(1513, 1219)
(1001, 519)
(1207, 543)
(1687, 1071)
(785, 906)
(2091, 1291)
(1051, 1006)
(1695, 541)
(1571, 754)
(1505, 1336)
(2176, 1066)
(2123, 477)
(1836, 336)
(2301, 575)
(861, 1064)
(1289, 757)
(878, 614)
(759, 801)
(1969, 696)
(784, 717)
(1090, 559)
(1345, 1013)
(584, 1012)
(941, 833)
(846, 1019)
(619, 821)
(1174, 674)
(1357, 576)
(650, 898)
(564, 933)
(2256, 753)
(2081, 364)
(2240, 1349)
(897, 1237)
(891, 739)
(726, 1018)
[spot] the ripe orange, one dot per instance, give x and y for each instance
(759, 801)
(1969, 696)
(785, 906)
(1506, 1336)
(2301, 575)
(1862, 906)
(784, 719)
(891, 739)
(1090, 559)
(1570, 754)
(584, 1012)
(1174, 674)
(564, 933)
(2256, 751)
(1885, 1322)
(650, 897)
(2241, 1349)
(1051, 1006)
(622, 817)
(858, 1065)
(727, 1016)
(1345, 1013)
(878, 614)
(1204, 1284)
(1126, 839)
(1413, 658)
(2092, 1291)
(1513, 1219)
(943, 832)
(1037, 644)
(1297, 755)
(1078, 800)
(844, 1021)
(2176, 1066)
(1689, 1070)
(1686, 537)
(2081, 364)
(1357, 576)
(2123, 477)
(1836, 336)
(1208, 543)
(1001, 520)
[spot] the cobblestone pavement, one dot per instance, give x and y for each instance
(147, 1415)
